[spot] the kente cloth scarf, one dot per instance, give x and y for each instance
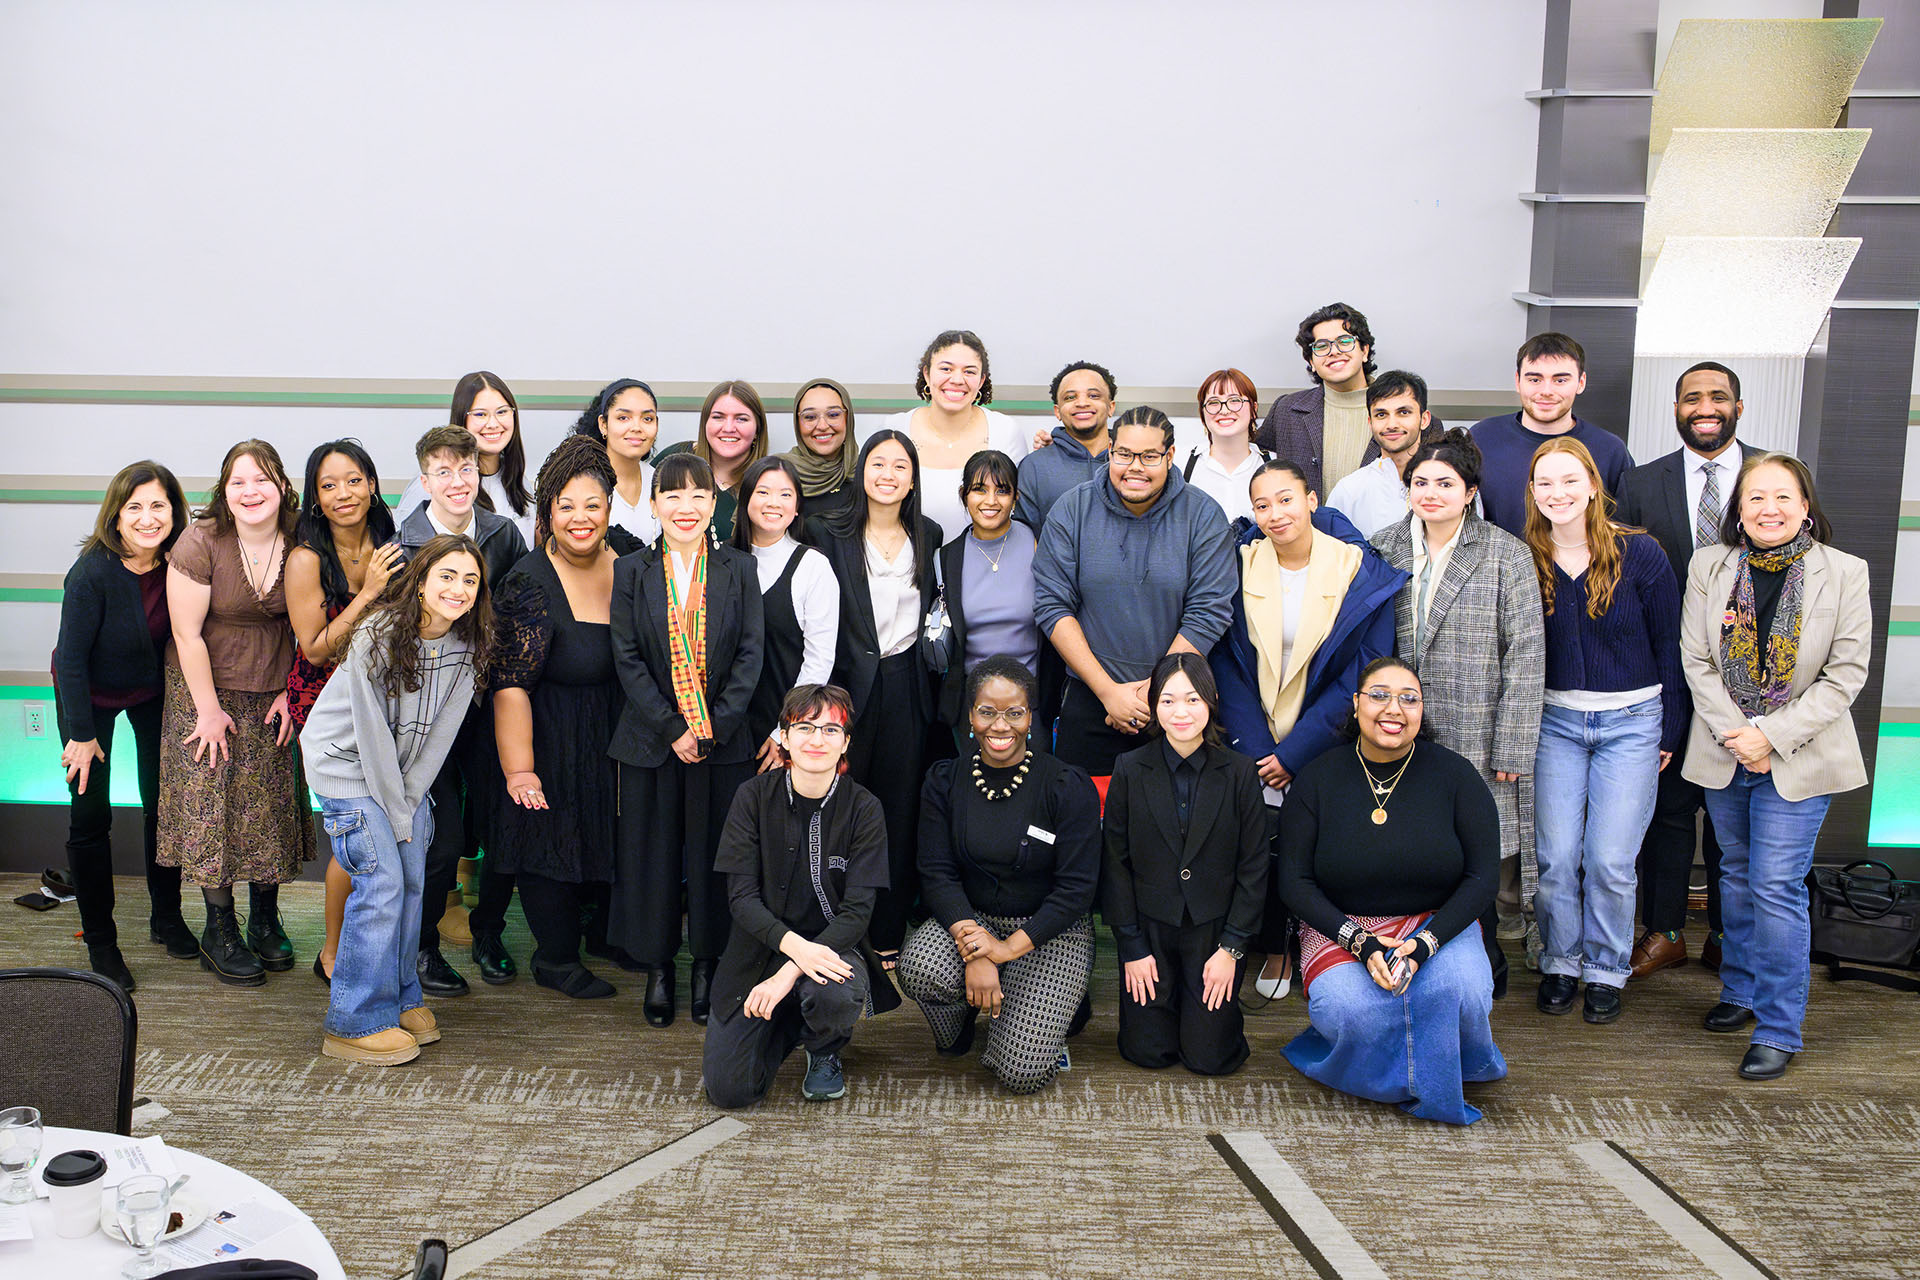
(1319, 953)
(687, 639)
(1758, 675)
(820, 475)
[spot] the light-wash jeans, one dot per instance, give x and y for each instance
(1766, 851)
(1595, 779)
(375, 974)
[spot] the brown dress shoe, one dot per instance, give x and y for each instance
(1657, 951)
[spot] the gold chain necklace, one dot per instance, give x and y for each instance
(1382, 791)
(980, 546)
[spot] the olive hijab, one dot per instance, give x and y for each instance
(820, 475)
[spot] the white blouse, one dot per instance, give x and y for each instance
(816, 602)
(896, 597)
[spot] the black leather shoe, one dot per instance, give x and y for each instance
(1556, 993)
(437, 977)
(110, 964)
(1602, 1004)
(963, 1041)
(700, 996)
(1764, 1062)
(1710, 953)
(320, 972)
(265, 937)
(1082, 1015)
(490, 954)
(1727, 1017)
(574, 980)
(173, 934)
(660, 996)
(224, 955)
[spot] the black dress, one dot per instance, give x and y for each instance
(566, 667)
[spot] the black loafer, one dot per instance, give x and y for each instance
(1764, 1062)
(490, 955)
(1727, 1017)
(320, 972)
(437, 977)
(700, 996)
(574, 980)
(1556, 994)
(660, 998)
(1602, 1004)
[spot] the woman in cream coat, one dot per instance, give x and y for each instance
(1775, 636)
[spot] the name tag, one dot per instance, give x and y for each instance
(1038, 834)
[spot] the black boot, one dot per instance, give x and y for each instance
(264, 935)
(700, 997)
(496, 966)
(660, 995)
(224, 955)
(171, 932)
(105, 959)
(574, 980)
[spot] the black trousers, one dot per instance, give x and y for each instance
(889, 754)
(553, 910)
(742, 1055)
(90, 828)
(1082, 737)
(671, 817)
(457, 823)
(1176, 1026)
(1666, 853)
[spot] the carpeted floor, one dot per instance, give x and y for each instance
(926, 1168)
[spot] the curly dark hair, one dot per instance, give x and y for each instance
(1356, 325)
(394, 623)
(955, 338)
(573, 457)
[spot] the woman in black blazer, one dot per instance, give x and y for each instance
(114, 627)
(1186, 877)
(687, 643)
(882, 550)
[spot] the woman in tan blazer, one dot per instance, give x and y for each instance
(1775, 636)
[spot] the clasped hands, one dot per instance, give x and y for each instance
(1751, 747)
(983, 953)
(821, 963)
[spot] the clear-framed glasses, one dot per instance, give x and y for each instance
(1225, 404)
(812, 417)
(1345, 342)
(1381, 697)
(828, 732)
(1013, 717)
(1145, 457)
(442, 475)
(479, 417)
(140, 1206)
(19, 1148)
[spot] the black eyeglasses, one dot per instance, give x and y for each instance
(1226, 404)
(1345, 342)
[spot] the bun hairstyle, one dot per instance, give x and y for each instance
(1456, 448)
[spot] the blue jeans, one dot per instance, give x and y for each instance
(1766, 851)
(375, 978)
(1595, 779)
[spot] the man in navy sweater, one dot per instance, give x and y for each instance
(1549, 372)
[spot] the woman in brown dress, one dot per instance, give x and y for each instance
(233, 804)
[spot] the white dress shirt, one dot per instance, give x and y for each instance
(1372, 497)
(1228, 488)
(896, 597)
(1692, 467)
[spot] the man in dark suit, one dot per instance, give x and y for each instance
(1324, 429)
(1680, 499)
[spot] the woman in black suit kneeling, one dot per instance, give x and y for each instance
(1186, 877)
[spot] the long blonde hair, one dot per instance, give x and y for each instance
(1604, 535)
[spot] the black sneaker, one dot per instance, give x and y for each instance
(825, 1079)
(437, 977)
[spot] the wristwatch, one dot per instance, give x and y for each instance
(1236, 952)
(1351, 936)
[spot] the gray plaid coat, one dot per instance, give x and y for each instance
(1482, 665)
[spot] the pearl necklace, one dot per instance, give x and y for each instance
(1019, 776)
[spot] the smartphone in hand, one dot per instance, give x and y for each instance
(1399, 973)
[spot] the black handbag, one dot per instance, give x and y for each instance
(1862, 918)
(936, 629)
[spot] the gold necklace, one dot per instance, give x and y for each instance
(1382, 791)
(981, 546)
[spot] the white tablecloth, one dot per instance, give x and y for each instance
(48, 1257)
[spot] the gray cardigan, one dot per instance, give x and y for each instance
(359, 742)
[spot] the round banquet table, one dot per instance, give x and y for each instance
(98, 1255)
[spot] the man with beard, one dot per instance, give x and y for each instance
(1376, 495)
(1680, 499)
(1550, 371)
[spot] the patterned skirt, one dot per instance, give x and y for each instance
(248, 819)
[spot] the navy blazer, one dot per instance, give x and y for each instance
(1216, 872)
(1653, 496)
(856, 659)
(1362, 631)
(651, 720)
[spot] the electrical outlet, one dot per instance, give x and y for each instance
(35, 716)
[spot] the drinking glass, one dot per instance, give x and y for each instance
(19, 1148)
(140, 1206)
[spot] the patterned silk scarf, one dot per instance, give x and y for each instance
(687, 638)
(1759, 674)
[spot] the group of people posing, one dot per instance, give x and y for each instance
(894, 712)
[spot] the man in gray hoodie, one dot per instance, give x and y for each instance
(1130, 567)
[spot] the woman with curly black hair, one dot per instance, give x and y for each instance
(956, 381)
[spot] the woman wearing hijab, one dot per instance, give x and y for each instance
(824, 452)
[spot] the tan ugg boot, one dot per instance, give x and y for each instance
(470, 881)
(421, 1025)
(454, 928)
(387, 1048)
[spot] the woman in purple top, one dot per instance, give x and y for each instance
(986, 579)
(1613, 717)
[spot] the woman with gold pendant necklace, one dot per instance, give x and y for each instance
(1389, 854)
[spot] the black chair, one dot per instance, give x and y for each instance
(70, 1038)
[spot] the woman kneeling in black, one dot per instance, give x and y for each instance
(805, 855)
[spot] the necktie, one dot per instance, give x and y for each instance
(1706, 525)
